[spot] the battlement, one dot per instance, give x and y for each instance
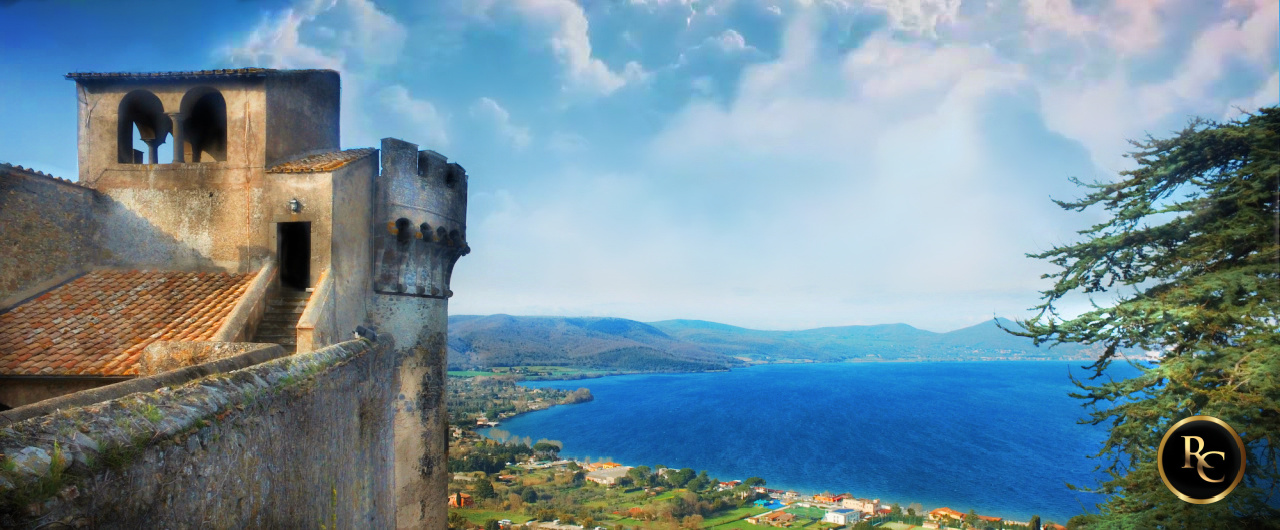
(422, 212)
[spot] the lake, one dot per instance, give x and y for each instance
(997, 437)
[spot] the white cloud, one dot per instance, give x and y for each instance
(411, 119)
(730, 41)
(922, 17)
(1103, 112)
(276, 44)
(571, 44)
(702, 85)
(1268, 95)
(775, 10)
(360, 41)
(727, 43)
(879, 199)
(378, 37)
(374, 37)
(498, 118)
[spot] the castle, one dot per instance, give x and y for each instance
(251, 334)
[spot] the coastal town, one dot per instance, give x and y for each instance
(503, 482)
(765, 507)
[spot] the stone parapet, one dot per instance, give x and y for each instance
(287, 442)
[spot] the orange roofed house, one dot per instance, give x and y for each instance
(944, 513)
(460, 500)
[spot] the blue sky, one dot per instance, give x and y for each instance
(777, 164)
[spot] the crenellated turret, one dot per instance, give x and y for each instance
(422, 209)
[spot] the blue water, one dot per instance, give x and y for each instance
(997, 437)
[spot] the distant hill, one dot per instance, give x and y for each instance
(877, 342)
(598, 343)
(693, 345)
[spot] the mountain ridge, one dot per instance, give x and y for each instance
(611, 343)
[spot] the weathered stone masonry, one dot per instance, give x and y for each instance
(299, 442)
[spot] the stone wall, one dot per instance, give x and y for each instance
(302, 113)
(53, 230)
(303, 441)
(48, 230)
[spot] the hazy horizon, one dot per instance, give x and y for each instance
(733, 325)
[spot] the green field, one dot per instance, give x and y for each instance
(469, 373)
(733, 515)
(900, 526)
(480, 516)
(740, 525)
(810, 513)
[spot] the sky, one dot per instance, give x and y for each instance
(774, 164)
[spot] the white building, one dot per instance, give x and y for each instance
(609, 476)
(842, 516)
(870, 506)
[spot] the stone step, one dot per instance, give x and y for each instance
(277, 339)
(264, 331)
(286, 305)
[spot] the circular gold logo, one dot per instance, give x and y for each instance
(1201, 459)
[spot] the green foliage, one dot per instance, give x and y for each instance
(1188, 256)
(546, 447)
(488, 457)
(465, 399)
(581, 395)
(151, 413)
(484, 489)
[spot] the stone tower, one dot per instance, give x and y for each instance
(419, 233)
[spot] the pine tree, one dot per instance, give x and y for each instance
(1189, 265)
(484, 489)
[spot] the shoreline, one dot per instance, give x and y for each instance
(806, 493)
(581, 376)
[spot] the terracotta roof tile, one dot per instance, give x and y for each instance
(116, 314)
(323, 161)
(230, 72)
(31, 172)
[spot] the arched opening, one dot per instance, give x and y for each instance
(141, 119)
(204, 126)
(403, 234)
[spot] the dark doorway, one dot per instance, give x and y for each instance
(293, 242)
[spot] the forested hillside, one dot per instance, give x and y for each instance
(693, 345)
(597, 343)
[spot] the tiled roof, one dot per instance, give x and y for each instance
(323, 161)
(99, 323)
(10, 168)
(203, 74)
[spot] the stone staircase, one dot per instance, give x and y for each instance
(281, 317)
